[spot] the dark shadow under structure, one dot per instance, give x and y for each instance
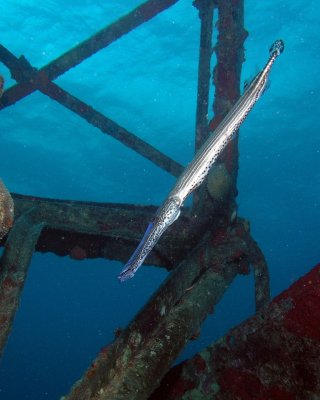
(205, 249)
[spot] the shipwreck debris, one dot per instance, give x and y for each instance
(14, 264)
(6, 210)
(219, 244)
(273, 355)
(1, 85)
(138, 358)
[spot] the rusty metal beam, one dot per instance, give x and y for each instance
(23, 71)
(206, 8)
(6, 210)
(103, 230)
(226, 78)
(14, 264)
(273, 355)
(260, 272)
(112, 230)
(227, 73)
(106, 125)
(87, 48)
(132, 366)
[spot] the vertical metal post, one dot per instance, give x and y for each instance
(226, 77)
(205, 8)
(216, 198)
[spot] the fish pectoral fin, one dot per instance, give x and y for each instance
(176, 216)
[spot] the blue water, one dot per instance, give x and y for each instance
(146, 81)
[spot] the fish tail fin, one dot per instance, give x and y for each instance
(125, 274)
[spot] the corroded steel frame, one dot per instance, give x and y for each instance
(219, 245)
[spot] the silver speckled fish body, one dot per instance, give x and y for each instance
(195, 173)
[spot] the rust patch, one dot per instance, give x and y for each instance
(1, 85)
(6, 210)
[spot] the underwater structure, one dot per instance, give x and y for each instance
(137, 364)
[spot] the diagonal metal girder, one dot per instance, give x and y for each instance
(87, 48)
(23, 71)
(31, 79)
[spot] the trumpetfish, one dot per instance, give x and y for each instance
(196, 171)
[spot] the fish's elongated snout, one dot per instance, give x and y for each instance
(277, 47)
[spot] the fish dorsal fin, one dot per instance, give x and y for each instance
(268, 84)
(247, 83)
(249, 80)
